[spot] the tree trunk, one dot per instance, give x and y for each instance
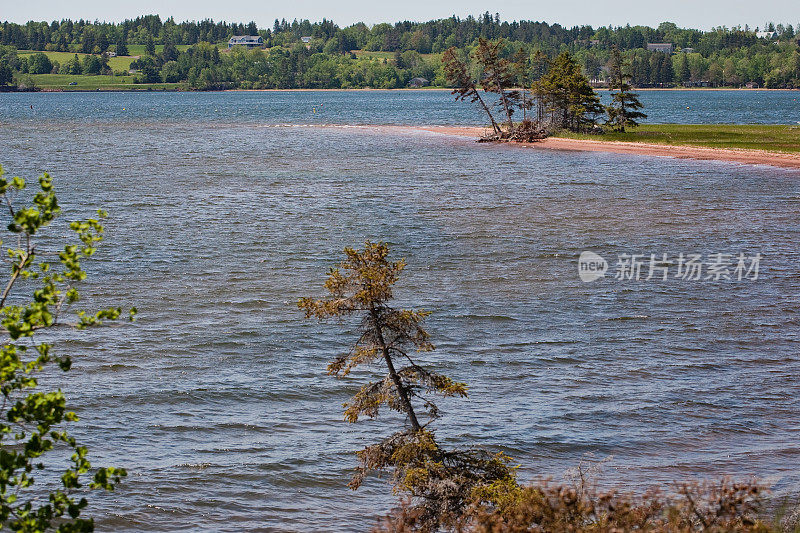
(401, 390)
(495, 127)
(504, 99)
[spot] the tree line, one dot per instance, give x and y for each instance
(720, 57)
(433, 36)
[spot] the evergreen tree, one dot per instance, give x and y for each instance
(169, 53)
(457, 73)
(149, 46)
(443, 483)
(667, 72)
(539, 65)
(684, 74)
(6, 74)
(498, 74)
(122, 44)
(625, 105)
(568, 98)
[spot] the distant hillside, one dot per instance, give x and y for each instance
(662, 56)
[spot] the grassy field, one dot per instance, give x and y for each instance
(116, 63)
(773, 138)
(93, 83)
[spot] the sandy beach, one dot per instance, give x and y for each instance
(748, 157)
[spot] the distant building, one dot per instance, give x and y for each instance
(697, 84)
(751, 85)
(687, 50)
(111, 54)
(770, 35)
(667, 48)
(248, 41)
(306, 39)
(418, 82)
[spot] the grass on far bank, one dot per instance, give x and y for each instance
(94, 83)
(116, 63)
(768, 137)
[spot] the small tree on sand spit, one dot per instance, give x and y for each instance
(625, 105)
(441, 483)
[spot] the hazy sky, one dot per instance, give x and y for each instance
(701, 14)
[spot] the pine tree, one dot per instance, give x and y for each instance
(539, 65)
(568, 97)
(457, 73)
(498, 74)
(150, 46)
(684, 73)
(625, 105)
(442, 482)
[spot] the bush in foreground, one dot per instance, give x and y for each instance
(33, 422)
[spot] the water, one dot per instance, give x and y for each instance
(430, 107)
(225, 208)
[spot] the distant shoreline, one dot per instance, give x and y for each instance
(748, 157)
(134, 89)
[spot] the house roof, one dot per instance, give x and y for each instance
(242, 39)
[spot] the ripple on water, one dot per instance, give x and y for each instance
(217, 401)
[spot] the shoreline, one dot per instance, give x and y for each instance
(133, 88)
(747, 157)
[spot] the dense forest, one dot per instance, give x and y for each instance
(323, 55)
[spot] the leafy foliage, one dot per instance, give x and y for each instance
(442, 483)
(34, 421)
(722, 506)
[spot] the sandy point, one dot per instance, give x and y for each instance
(748, 157)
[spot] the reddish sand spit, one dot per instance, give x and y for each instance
(749, 157)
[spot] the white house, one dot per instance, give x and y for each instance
(249, 41)
(305, 40)
(770, 35)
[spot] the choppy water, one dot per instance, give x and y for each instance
(223, 215)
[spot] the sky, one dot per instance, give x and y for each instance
(700, 14)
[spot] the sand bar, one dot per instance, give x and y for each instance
(749, 157)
